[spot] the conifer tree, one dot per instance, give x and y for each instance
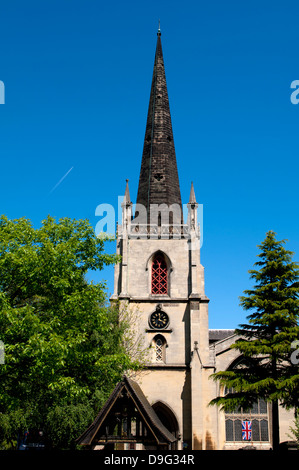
(265, 342)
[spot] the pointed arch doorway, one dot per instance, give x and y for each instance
(168, 419)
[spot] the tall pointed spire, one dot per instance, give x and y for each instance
(159, 181)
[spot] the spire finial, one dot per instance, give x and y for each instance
(159, 30)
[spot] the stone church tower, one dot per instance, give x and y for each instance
(161, 276)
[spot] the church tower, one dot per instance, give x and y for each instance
(161, 276)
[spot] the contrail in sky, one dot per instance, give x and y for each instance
(60, 181)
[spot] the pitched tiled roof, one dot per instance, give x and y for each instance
(161, 433)
(217, 335)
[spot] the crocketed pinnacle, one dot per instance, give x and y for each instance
(192, 198)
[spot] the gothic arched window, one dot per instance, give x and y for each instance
(159, 284)
(159, 350)
(247, 424)
(159, 344)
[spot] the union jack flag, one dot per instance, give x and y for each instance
(246, 430)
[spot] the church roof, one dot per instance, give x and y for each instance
(218, 335)
(159, 181)
(158, 430)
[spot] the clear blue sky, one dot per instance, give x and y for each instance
(77, 77)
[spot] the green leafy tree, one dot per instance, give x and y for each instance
(266, 341)
(64, 347)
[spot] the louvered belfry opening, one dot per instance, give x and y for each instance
(159, 276)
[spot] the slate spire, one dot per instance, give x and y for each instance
(159, 181)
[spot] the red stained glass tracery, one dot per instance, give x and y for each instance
(159, 276)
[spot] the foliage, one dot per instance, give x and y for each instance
(295, 431)
(132, 339)
(64, 348)
(265, 343)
